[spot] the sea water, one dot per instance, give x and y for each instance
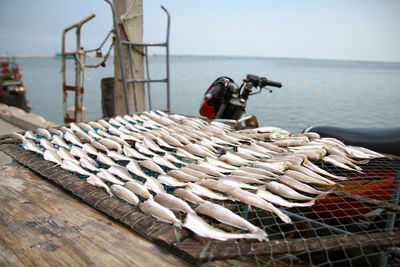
(314, 92)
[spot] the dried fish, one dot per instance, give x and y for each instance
(99, 146)
(172, 202)
(88, 148)
(73, 167)
(149, 164)
(96, 181)
(97, 125)
(106, 176)
(64, 154)
(205, 169)
(170, 181)
(216, 185)
(51, 155)
(105, 159)
(121, 172)
(159, 212)
(72, 138)
(138, 189)
(125, 194)
(277, 200)
(31, 146)
(188, 195)
(233, 159)
(289, 181)
(285, 191)
(182, 176)
(111, 144)
(131, 152)
(164, 162)
(205, 192)
(143, 149)
(43, 132)
(46, 143)
(185, 154)
(133, 167)
(87, 164)
(117, 156)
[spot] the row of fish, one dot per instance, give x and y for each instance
(202, 162)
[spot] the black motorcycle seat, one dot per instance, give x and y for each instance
(384, 140)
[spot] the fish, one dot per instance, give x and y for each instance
(198, 150)
(244, 179)
(274, 167)
(78, 152)
(221, 125)
(118, 140)
(241, 172)
(228, 217)
(51, 155)
(73, 167)
(121, 172)
(87, 164)
(260, 149)
(195, 173)
(235, 160)
(99, 146)
(110, 144)
(129, 137)
(117, 156)
(153, 146)
(85, 126)
(114, 131)
(205, 169)
(143, 149)
(55, 131)
(159, 212)
(149, 164)
(125, 194)
(201, 228)
(170, 181)
(205, 192)
(89, 149)
(220, 163)
(182, 176)
(271, 146)
(46, 143)
(105, 159)
(346, 161)
(163, 144)
(130, 119)
(236, 183)
(316, 169)
(131, 152)
(31, 146)
(106, 176)
(256, 201)
(172, 202)
(17, 136)
(30, 135)
(84, 136)
(134, 167)
(64, 154)
(277, 200)
(182, 138)
(299, 186)
(164, 162)
(258, 171)
(96, 181)
(285, 191)
(305, 175)
(365, 152)
(216, 185)
(73, 126)
(104, 134)
(311, 135)
(97, 125)
(185, 154)
(154, 185)
(213, 130)
(188, 195)
(43, 132)
(334, 162)
(113, 121)
(212, 167)
(172, 158)
(249, 152)
(72, 138)
(138, 189)
(121, 119)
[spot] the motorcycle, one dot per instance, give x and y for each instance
(226, 101)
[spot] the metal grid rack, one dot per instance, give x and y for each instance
(357, 224)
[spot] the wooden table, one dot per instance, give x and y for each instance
(43, 225)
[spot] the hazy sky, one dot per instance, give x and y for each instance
(327, 29)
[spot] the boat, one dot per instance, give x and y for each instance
(12, 89)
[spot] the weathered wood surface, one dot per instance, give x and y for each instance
(42, 225)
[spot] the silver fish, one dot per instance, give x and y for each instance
(125, 194)
(185, 154)
(293, 183)
(97, 125)
(221, 164)
(117, 156)
(241, 172)
(51, 155)
(271, 146)
(204, 169)
(164, 162)
(346, 161)
(43, 132)
(105, 159)
(99, 146)
(285, 191)
(75, 127)
(46, 143)
(205, 192)
(72, 138)
(55, 131)
(154, 185)
(111, 144)
(159, 212)
(121, 119)
(235, 160)
(318, 170)
(106, 176)
(198, 150)
(258, 171)
(170, 181)
(17, 136)
(163, 144)
(172, 202)
(129, 137)
(172, 158)
(113, 121)
(216, 185)
(228, 217)
(200, 227)
(115, 131)
(143, 149)
(236, 183)
(195, 173)
(103, 133)
(30, 135)
(182, 176)
(277, 200)
(305, 175)
(64, 154)
(96, 181)
(131, 152)
(85, 126)
(244, 179)
(256, 201)
(212, 167)
(31, 146)
(138, 189)
(118, 140)
(73, 167)
(188, 195)
(153, 146)
(87, 164)
(78, 152)
(133, 167)
(149, 164)
(88, 148)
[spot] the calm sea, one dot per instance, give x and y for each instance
(314, 92)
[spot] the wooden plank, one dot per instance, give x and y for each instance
(41, 225)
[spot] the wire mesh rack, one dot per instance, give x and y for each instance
(355, 225)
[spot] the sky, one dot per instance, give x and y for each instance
(367, 30)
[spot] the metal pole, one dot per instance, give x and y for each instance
(167, 58)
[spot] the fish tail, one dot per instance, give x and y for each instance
(260, 235)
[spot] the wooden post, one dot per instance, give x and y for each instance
(130, 17)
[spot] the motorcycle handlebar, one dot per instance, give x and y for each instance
(274, 84)
(261, 81)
